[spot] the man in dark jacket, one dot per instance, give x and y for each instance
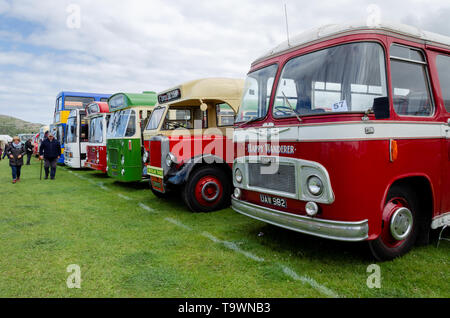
(29, 150)
(50, 151)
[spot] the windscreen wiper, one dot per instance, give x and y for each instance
(250, 120)
(292, 108)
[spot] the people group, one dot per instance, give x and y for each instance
(49, 151)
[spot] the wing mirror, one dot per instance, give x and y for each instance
(381, 107)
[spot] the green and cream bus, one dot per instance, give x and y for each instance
(129, 113)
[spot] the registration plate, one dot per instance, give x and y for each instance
(157, 183)
(267, 199)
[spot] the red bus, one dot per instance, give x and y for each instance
(355, 122)
(97, 114)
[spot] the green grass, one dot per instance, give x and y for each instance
(126, 251)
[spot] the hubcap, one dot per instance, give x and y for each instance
(401, 223)
(210, 191)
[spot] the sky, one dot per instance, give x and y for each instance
(110, 46)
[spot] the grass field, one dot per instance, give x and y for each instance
(128, 243)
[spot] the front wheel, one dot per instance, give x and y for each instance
(208, 189)
(399, 228)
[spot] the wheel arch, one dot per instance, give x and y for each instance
(422, 185)
(199, 162)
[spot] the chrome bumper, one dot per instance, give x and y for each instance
(336, 230)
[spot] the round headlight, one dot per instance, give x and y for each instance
(122, 161)
(238, 175)
(311, 208)
(122, 172)
(145, 156)
(237, 193)
(170, 158)
(315, 185)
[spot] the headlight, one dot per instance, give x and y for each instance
(315, 185)
(311, 208)
(122, 172)
(123, 160)
(145, 156)
(238, 175)
(237, 193)
(170, 158)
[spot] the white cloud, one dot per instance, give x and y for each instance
(153, 45)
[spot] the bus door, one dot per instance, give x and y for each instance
(443, 68)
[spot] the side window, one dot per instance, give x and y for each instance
(443, 67)
(201, 115)
(225, 115)
(131, 128)
(84, 130)
(410, 87)
(58, 102)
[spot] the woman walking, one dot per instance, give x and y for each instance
(16, 151)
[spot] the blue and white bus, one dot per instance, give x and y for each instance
(66, 102)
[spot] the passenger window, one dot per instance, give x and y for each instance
(411, 94)
(225, 115)
(443, 67)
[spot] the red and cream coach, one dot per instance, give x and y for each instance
(189, 140)
(98, 118)
(350, 136)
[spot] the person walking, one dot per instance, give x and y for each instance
(1, 152)
(5, 151)
(16, 151)
(50, 151)
(29, 150)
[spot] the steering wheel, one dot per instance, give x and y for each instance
(176, 125)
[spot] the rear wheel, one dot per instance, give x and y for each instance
(208, 189)
(399, 228)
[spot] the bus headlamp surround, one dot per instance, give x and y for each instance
(315, 185)
(238, 175)
(170, 158)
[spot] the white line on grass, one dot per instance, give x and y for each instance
(102, 186)
(233, 246)
(308, 280)
(146, 207)
(178, 223)
(120, 195)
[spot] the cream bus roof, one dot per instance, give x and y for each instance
(228, 90)
(335, 30)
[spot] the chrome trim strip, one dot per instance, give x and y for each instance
(335, 230)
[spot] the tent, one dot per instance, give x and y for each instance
(4, 139)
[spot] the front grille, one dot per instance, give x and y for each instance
(113, 156)
(283, 180)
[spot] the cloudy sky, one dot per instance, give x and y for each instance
(138, 45)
